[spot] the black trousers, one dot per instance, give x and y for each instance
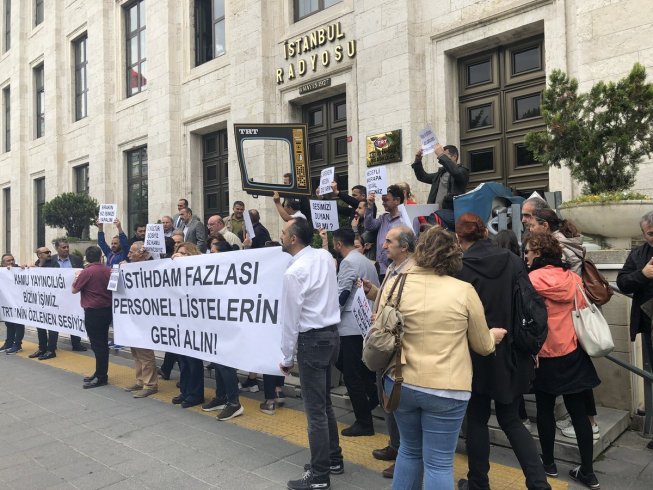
(576, 404)
(478, 443)
(76, 341)
(360, 381)
(191, 379)
(47, 339)
(97, 321)
(15, 334)
(168, 363)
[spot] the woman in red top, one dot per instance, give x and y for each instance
(564, 367)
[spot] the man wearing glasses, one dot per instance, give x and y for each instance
(47, 338)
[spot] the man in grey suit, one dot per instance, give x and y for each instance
(359, 380)
(194, 231)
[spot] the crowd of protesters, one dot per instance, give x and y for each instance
(458, 357)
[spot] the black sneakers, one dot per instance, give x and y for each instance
(309, 481)
(589, 480)
(250, 385)
(215, 404)
(334, 468)
(13, 350)
(357, 429)
(230, 411)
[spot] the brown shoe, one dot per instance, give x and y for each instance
(389, 472)
(386, 454)
(144, 393)
(135, 387)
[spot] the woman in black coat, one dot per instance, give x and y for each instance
(505, 376)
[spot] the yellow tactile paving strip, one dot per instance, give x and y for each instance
(287, 424)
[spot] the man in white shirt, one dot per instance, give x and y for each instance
(312, 313)
(289, 209)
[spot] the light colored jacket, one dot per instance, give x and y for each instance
(352, 267)
(572, 251)
(443, 318)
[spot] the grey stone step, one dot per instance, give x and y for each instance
(612, 424)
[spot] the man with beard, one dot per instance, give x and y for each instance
(119, 244)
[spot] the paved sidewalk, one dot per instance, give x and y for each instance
(57, 435)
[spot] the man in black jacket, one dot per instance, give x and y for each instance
(451, 177)
(636, 278)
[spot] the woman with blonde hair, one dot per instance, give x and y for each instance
(443, 319)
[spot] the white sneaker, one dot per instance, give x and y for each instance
(571, 433)
(564, 422)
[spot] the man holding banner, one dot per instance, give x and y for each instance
(310, 303)
(359, 380)
(92, 283)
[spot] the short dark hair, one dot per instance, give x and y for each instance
(58, 241)
(302, 230)
(93, 254)
(397, 192)
(190, 211)
(170, 246)
(288, 174)
(136, 226)
(272, 243)
(508, 240)
(185, 202)
(344, 235)
(361, 188)
(254, 214)
(452, 149)
(224, 247)
(239, 203)
(293, 204)
(7, 255)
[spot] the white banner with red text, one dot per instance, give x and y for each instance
(41, 297)
(223, 308)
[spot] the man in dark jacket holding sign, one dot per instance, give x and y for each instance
(451, 177)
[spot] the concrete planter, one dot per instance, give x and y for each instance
(616, 222)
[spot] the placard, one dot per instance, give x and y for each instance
(326, 177)
(362, 311)
(114, 278)
(429, 140)
(404, 216)
(155, 239)
(415, 210)
(324, 214)
(107, 213)
(377, 180)
(249, 226)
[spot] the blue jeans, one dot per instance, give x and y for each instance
(429, 426)
(317, 351)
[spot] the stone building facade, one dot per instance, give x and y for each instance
(133, 101)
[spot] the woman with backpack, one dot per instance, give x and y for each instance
(564, 367)
(573, 253)
(504, 377)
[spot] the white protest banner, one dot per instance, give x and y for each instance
(107, 213)
(362, 311)
(155, 239)
(249, 227)
(415, 210)
(324, 214)
(224, 308)
(404, 216)
(377, 181)
(326, 177)
(429, 140)
(41, 297)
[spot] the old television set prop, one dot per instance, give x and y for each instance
(273, 157)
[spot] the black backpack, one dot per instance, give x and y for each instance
(530, 319)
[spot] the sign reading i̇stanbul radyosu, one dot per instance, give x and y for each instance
(320, 44)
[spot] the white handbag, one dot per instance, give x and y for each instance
(592, 329)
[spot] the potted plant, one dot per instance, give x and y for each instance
(73, 212)
(601, 136)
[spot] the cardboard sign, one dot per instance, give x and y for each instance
(114, 278)
(249, 226)
(324, 214)
(404, 216)
(377, 180)
(362, 311)
(107, 213)
(429, 140)
(326, 177)
(155, 239)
